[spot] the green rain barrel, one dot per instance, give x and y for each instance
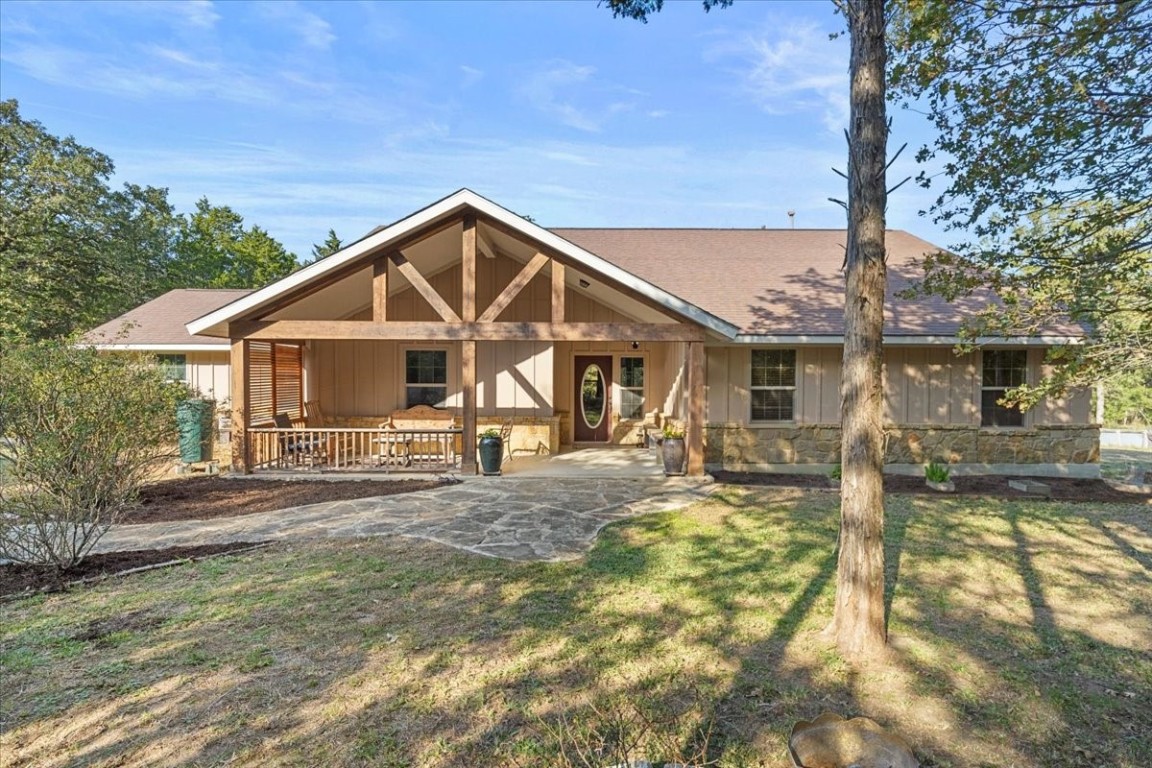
(194, 421)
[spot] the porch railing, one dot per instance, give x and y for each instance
(339, 449)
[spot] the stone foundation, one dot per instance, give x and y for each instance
(734, 446)
(538, 436)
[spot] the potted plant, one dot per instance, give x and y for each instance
(672, 449)
(491, 451)
(936, 476)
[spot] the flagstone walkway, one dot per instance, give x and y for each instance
(549, 519)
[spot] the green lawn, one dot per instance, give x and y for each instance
(1021, 636)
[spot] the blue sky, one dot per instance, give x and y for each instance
(304, 116)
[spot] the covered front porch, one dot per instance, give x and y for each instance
(406, 412)
(397, 353)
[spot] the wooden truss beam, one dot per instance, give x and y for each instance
(485, 245)
(299, 330)
(468, 261)
(531, 269)
(423, 287)
(558, 292)
(380, 290)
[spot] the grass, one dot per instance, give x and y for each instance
(1020, 633)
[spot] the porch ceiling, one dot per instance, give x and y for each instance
(353, 294)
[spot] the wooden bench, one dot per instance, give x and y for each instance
(421, 435)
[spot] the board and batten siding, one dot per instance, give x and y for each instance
(209, 373)
(923, 385)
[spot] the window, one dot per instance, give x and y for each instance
(426, 377)
(773, 384)
(631, 387)
(1003, 370)
(173, 366)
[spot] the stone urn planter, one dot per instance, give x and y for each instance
(673, 451)
(491, 452)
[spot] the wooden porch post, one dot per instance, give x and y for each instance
(468, 388)
(695, 408)
(468, 347)
(239, 392)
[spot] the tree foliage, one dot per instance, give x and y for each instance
(75, 252)
(82, 431)
(323, 250)
(214, 250)
(1128, 400)
(640, 10)
(1043, 113)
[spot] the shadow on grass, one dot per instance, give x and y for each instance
(399, 652)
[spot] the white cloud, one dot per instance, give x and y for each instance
(552, 88)
(471, 75)
(195, 13)
(313, 30)
(298, 195)
(793, 67)
(201, 72)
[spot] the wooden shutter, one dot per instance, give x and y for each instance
(289, 380)
(261, 394)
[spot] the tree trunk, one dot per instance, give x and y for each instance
(858, 624)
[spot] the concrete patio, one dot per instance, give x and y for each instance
(616, 461)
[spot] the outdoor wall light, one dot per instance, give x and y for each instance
(584, 283)
(635, 345)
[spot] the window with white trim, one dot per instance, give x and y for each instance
(631, 387)
(773, 384)
(174, 367)
(1004, 369)
(426, 377)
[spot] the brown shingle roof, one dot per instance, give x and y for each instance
(161, 321)
(778, 282)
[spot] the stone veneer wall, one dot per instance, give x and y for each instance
(733, 445)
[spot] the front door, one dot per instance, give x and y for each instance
(591, 418)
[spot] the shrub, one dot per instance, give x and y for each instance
(673, 431)
(836, 473)
(82, 432)
(936, 473)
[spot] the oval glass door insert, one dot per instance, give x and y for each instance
(592, 398)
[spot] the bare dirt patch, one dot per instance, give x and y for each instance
(986, 486)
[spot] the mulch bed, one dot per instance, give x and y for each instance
(200, 498)
(207, 498)
(18, 579)
(987, 486)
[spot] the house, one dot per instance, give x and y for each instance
(580, 336)
(157, 327)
